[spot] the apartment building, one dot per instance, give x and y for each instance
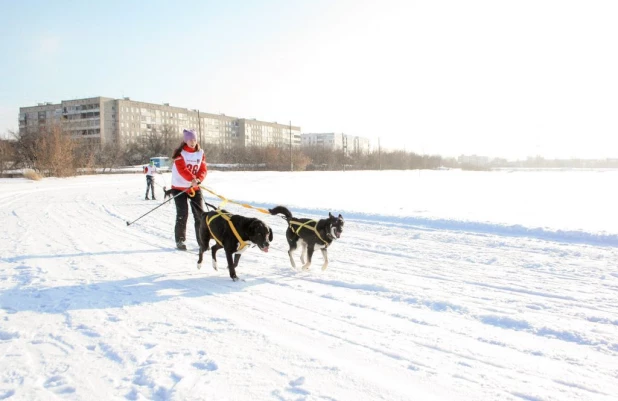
(474, 160)
(358, 144)
(261, 133)
(102, 120)
(91, 119)
(331, 140)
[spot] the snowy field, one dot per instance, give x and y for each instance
(445, 285)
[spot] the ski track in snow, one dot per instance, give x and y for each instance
(93, 309)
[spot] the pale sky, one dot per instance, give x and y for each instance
(497, 78)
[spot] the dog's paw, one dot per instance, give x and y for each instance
(235, 278)
(306, 266)
(199, 266)
(214, 265)
(324, 266)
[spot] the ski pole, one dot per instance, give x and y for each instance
(155, 208)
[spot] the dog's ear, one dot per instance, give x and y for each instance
(330, 215)
(270, 234)
(340, 217)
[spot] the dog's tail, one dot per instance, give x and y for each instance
(281, 210)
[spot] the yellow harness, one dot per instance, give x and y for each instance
(305, 225)
(226, 217)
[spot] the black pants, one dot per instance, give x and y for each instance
(150, 185)
(182, 213)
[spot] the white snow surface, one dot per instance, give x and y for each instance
(445, 285)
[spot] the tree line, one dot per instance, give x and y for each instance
(51, 151)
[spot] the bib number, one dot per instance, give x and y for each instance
(193, 168)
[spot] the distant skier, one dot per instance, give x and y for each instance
(150, 170)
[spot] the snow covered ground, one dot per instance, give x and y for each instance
(446, 285)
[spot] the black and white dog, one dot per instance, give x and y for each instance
(311, 234)
(220, 226)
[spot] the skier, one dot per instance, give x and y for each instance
(188, 171)
(150, 170)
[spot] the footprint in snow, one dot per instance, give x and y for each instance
(209, 365)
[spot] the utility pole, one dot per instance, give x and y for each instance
(199, 125)
(344, 147)
(379, 155)
(291, 162)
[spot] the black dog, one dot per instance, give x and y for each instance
(167, 193)
(220, 226)
(311, 233)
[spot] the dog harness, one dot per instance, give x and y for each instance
(305, 225)
(226, 217)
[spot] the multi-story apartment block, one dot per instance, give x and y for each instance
(353, 144)
(474, 160)
(261, 133)
(92, 119)
(327, 140)
(358, 144)
(102, 120)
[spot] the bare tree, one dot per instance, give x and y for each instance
(213, 153)
(26, 148)
(159, 142)
(85, 155)
(110, 155)
(169, 138)
(7, 154)
(133, 153)
(55, 152)
(322, 158)
(152, 143)
(48, 150)
(300, 160)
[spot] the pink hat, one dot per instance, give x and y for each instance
(189, 134)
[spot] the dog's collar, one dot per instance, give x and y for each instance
(241, 249)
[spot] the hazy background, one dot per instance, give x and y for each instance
(503, 79)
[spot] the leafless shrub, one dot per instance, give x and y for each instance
(26, 148)
(55, 152)
(32, 175)
(110, 156)
(7, 155)
(85, 156)
(48, 150)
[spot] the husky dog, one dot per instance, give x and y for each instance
(311, 234)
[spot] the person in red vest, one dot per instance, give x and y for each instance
(150, 170)
(188, 171)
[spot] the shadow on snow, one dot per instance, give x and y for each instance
(117, 293)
